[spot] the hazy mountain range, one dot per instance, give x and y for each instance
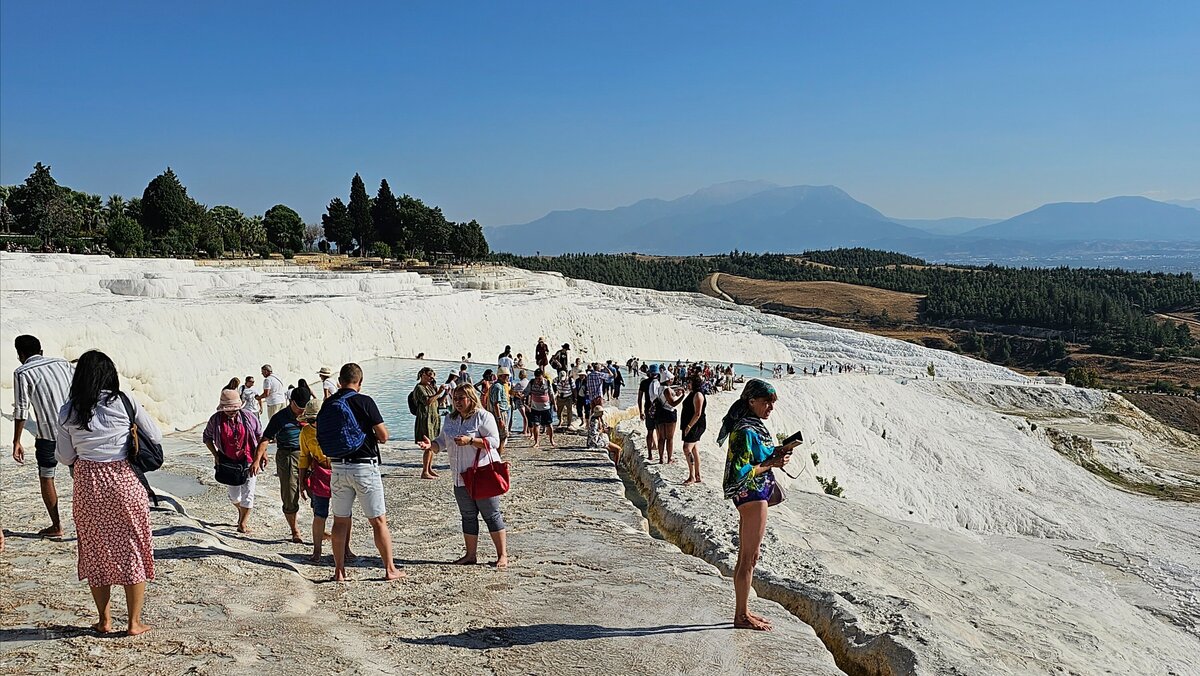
(762, 216)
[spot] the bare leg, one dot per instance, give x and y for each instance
(501, 541)
(651, 444)
(660, 433)
(102, 595)
(550, 434)
(291, 522)
(341, 543)
(471, 543)
(243, 519)
(752, 524)
(318, 533)
(383, 542)
(50, 499)
(670, 439)
(135, 596)
(427, 471)
(537, 436)
(689, 451)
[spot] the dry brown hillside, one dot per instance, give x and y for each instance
(833, 298)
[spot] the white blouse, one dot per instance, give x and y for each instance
(481, 424)
(106, 441)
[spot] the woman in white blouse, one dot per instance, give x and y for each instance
(470, 436)
(110, 507)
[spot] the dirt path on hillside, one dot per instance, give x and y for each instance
(588, 590)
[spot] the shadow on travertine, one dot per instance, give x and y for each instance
(498, 637)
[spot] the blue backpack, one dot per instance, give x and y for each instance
(338, 430)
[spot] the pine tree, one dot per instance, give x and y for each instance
(360, 214)
(385, 212)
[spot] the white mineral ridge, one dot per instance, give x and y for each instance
(964, 535)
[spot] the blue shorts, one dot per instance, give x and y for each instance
(320, 506)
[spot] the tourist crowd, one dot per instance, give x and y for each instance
(327, 436)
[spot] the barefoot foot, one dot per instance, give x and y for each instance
(135, 629)
(501, 563)
(103, 627)
(464, 561)
(51, 532)
(394, 574)
(747, 622)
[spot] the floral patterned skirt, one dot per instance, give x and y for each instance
(112, 522)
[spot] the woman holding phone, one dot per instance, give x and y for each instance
(751, 485)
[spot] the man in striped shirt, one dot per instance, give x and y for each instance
(40, 386)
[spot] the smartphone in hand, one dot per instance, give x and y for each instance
(795, 438)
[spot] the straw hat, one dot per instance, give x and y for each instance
(230, 401)
(311, 409)
(325, 371)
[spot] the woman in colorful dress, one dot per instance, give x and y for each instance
(751, 485)
(110, 507)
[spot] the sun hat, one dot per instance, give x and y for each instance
(311, 409)
(230, 401)
(325, 371)
(503, 371)
(653, 369)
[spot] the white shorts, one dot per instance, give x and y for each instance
(243, 496)
(350, 481)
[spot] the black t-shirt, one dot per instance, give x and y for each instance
(283, 429)
(644, 391)
(366, 412)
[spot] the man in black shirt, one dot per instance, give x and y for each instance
(356, 476)
(284, 429)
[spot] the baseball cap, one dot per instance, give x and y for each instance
(301, 396)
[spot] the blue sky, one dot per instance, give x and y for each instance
(504, 111)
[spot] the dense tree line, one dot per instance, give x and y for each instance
(403, 225)
(859, 257)
(165, 220)
(1109, 308)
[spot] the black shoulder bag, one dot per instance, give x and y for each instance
(145, 454)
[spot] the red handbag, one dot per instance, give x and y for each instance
(317, 480)
(487, 481)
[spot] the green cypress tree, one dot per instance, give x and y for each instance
(360, 214)
(337, 225)
(165, 205)
(385, 212)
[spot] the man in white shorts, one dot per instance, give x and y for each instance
(356, 474)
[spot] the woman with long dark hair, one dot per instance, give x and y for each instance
(110, 507)
(693, 421)
(751, 485)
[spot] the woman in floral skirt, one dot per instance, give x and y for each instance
(110, 507)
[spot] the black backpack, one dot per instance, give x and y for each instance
(413, 406)
(145, 454)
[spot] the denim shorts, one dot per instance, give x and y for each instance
(360, 482)
(320, 506)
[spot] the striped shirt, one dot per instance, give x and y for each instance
(40, 386)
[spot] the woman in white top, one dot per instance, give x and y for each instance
(470, 436)
(110, 507)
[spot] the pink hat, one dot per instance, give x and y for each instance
(230, 401)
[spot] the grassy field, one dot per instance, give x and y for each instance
(834, 298)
